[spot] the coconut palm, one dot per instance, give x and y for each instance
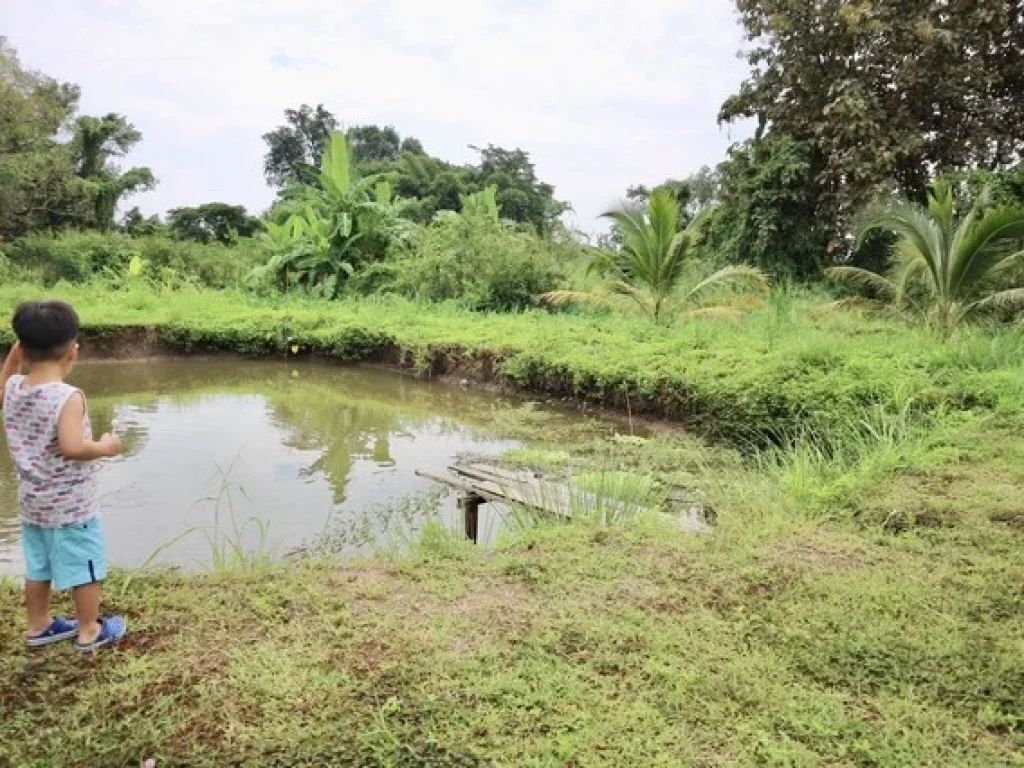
(948, 270)
(652, 261)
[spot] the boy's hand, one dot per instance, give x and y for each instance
(110, 444)
(12, 365)
(15, 357)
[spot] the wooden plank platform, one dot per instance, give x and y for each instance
(480, 483)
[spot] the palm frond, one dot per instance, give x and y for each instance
(912, 224)
(599, 297)
(909, 266)
(1007, 263)
(629, 221)
(941, 209)
(601, 262)
(981, 247)
(566, 298)
(622, 288)
(736, 274)
(382, 192)
(863, 277)
(663, 220)
(1002, 301)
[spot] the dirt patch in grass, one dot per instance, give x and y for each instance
(821, 551)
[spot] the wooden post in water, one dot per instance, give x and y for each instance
(470, 503)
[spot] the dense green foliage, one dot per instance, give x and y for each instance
(46, 180)
(212, 222)
(782, 202)
(764, 214)
(96, 143)
(38, 184)
(427, 183)
(298, 145)
(475, 258)
(333, 230)
(95, 257)
(858, 100)
(884, 92)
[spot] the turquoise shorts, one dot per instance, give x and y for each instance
(70, 557)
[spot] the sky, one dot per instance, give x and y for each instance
(602, 93)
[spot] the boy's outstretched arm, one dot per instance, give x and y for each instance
(71, 440)
(12, 365)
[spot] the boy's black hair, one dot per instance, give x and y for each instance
(45, 329)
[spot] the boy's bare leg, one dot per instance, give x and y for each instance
(37, 603)
(87, 611)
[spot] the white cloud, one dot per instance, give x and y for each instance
(602, 93)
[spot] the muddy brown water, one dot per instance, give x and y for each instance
(274, 456)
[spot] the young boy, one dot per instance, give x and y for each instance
(50, 439)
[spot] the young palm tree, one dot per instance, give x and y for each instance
(955, 265)
(650, 265)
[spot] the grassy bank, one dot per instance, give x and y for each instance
(860, 602)
(779, 373)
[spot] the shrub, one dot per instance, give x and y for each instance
(77, 257)
(72, 257)
(212, 264)
(479, 261)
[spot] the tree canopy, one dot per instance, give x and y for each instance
(212, 222)
(47, 182)
(96, 142)
(884, 92)
(426, 183)
(297, 144)
(39, 188)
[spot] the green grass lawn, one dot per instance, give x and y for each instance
(861, 601)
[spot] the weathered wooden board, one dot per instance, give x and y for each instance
(481, 483)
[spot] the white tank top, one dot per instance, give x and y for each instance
(53, 492)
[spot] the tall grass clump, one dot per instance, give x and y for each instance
(825, 468)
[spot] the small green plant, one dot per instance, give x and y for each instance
(947, 270)
(232, 548)
(650, 266)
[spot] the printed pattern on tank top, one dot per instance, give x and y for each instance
(52, 491)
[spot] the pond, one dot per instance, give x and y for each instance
(274, 455)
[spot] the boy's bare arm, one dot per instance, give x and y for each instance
(73, 444)
(12, 365)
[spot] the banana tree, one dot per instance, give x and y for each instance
(327, 262)
(650, 266)
(332, 228)
(947, 270)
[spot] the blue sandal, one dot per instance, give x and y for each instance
(112, 630)
(60, 629)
